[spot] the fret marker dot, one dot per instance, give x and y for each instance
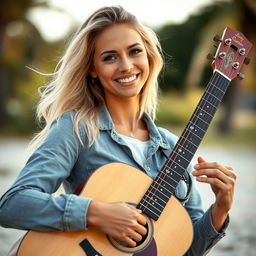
(191, 127)
(201, 114)
(180, 150)
(167, 171)
(207, 106)
(178, 160)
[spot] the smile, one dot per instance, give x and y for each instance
(127, 79)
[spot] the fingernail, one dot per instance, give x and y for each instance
(196, 166)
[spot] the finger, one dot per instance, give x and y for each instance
(130, 242)
(215, 165)
(215, 173)
(141, 219)
(200, 159)
(213, 181)
(136, 236)
(141, 230)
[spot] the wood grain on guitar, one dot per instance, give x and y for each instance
(170, 229)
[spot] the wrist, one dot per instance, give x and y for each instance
(219, 216)
(92, 213)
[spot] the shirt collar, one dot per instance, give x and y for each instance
(106, 123)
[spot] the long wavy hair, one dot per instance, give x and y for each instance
(72, 88)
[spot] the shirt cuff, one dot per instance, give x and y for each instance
(209, 230)
(75, 213)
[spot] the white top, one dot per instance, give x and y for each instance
(139, 148)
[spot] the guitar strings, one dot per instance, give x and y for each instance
(195, 119)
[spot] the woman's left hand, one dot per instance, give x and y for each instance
(222, 180)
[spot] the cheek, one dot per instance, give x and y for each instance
(105, 72)
(145, 67)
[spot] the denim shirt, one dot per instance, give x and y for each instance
(62, 159)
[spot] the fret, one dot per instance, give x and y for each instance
(186, 146)
(195, 132)
(209, 104)
(159, 195)
(215, 98)
(199, 113)
(163, 182)
(171, 173)
(155, 202)
(213, 86)
(149, 211)
(167, 179)
(181, 154)
(196, 126)
(199, 133)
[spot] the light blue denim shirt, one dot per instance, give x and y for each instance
(62, 159)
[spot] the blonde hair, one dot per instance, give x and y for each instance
(72, 85)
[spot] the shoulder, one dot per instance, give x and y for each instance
(65, 124)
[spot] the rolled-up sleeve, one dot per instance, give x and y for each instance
(205, 235)
(30, 203)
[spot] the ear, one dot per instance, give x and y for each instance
(93, 74)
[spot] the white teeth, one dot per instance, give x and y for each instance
(127, 80)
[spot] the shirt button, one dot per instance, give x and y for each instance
(148, 168)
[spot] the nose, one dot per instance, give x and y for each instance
(125, 65)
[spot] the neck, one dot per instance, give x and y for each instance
(125, 116)
(124, 113)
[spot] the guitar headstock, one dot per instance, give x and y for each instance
(231, 53)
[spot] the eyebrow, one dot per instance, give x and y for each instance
(114, 51)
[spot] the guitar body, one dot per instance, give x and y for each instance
(171, 234)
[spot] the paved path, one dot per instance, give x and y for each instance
(241, 237)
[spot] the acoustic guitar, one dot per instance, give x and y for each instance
(169, 227)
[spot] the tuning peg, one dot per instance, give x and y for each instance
(210, 56)
(247, 60)
(240, 76)
(217, 38)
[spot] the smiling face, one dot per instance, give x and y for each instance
(120, 61)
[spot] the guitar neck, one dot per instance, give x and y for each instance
(164, 185)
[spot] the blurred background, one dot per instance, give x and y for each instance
(34, 33)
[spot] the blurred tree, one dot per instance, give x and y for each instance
(179, 42)
(13, 17)
(186, 45)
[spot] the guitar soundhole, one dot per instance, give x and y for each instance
(141, 245)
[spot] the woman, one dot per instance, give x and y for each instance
(99, 109)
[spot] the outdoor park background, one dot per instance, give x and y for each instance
(231, 138)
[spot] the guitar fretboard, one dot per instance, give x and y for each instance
(164, 185)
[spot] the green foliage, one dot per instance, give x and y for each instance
(179, 41)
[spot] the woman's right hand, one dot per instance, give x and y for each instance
(119, 220)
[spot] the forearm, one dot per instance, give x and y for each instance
(31, 209)
(205, 235)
